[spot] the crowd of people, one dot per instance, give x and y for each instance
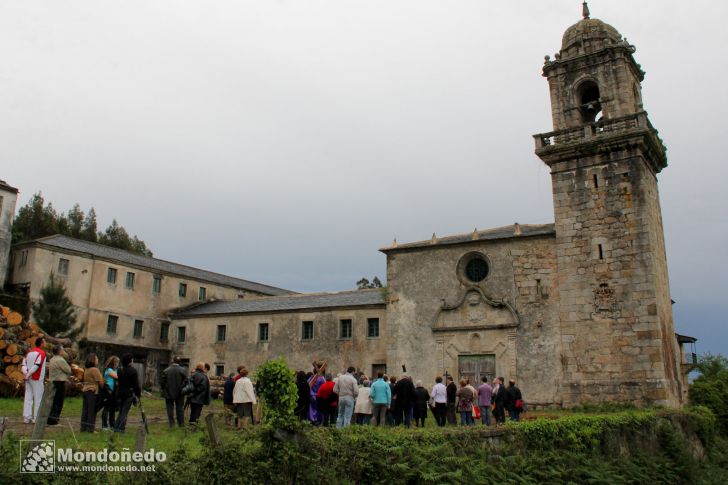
(324, 400)
(352, 397)
(112, 389)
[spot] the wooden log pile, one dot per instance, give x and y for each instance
(17, 338)
(217, 384)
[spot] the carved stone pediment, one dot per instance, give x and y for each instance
(475, 310)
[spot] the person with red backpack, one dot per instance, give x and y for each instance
(34, 366)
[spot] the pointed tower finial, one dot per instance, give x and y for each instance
(585, 10)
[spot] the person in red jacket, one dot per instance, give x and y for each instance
(327, 401)
(34, 366)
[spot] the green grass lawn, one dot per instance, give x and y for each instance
(67, 434)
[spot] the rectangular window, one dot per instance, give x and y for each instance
(156, 284)
(183, 290)
(111, 276)
(138, 328)
(164, 332)
(263, 332)
(181, 334)
(307, 331)
(345, 328)
(219, 370)
(372, 327)
(111, 324)
(130, 280)
(23, 257)
(221, 332)
(202, 295)
(63, 267)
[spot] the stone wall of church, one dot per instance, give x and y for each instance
(440, 321)
(616, 321)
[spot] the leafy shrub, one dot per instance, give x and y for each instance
(579, 432)
(710, 389)
(277, 389)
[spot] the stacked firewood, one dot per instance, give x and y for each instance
(17, 338)
(217, 384)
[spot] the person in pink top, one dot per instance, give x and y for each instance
(34, 366)
(485, 392)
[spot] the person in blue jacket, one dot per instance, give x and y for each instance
(381, 396)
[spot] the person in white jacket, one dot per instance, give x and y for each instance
(363, 406)
(244, 397)
(34, 370)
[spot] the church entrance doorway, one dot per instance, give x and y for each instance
(475, 367)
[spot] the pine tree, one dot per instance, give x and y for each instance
(139, 247)
(75, 222)
(116, 237)
(35, 220)
(364, 284)
(89, 231)
(54, 310)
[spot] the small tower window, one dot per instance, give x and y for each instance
(601, 252)
(589, 104)
(637, 96)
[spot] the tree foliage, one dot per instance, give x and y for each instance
(36, 220)
(710, 388)
(54, 310)
(364, 284)
(277, 389)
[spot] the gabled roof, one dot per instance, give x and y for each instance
(121, 256)
(505, 232)
(314, 301)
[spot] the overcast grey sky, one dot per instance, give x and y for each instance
(286, 141)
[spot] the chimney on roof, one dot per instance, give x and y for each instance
(517, 229)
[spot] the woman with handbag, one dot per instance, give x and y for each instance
(465, 403)
(514, 401)
(107, 395)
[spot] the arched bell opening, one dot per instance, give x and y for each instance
(590, 106)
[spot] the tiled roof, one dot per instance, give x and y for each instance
(505, 232)
(4, 185)
(153, 264)
(342, 299)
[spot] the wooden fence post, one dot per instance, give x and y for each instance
(41, 421)
(212, 430)
(2, 429)
(141, 439)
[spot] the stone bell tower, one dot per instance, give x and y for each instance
(615, 315)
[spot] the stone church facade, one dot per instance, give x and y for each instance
(575, 311)
(580, 310)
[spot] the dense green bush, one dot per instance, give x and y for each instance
(710, 388)
(634, 447)
(277, 389)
